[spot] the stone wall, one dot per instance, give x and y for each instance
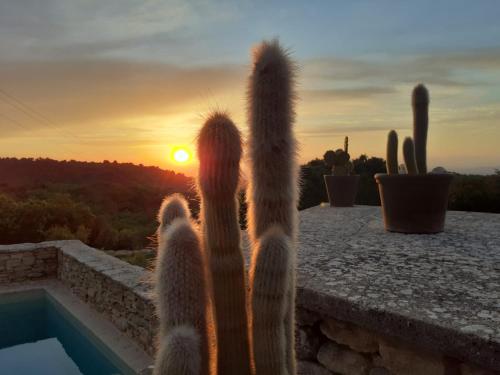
(18, 266)
(327, 346)
(130, 311)
(123, 293)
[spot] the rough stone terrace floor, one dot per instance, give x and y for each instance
(437, 291)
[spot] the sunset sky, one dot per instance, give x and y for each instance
(130, 80)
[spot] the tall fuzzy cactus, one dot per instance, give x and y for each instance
(254, 324)
(392, 153)
(273, 188)
(420, 104)
(219, 151)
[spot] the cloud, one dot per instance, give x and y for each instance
(339, 129)
(83, 92)
(346, 93)
(33, 29)
(442, 69)
(487, 116)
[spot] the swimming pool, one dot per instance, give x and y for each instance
(39, 336)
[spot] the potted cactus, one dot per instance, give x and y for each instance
(414, 202)
(341, 185)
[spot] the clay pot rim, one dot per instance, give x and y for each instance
(429, 177)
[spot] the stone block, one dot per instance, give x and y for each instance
(12, 263)
(404, 361)
(47, 254)
(28, 260)
(307, 342)
(344, 333)
(341, 360)
(305, 317)
(311, 368)
(379, 371)
(468, 369)
(35, 275)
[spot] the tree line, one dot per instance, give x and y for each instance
(113, 205)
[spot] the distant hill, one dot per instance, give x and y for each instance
(107, 205)
(29, 172)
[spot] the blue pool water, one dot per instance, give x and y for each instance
(38, 336)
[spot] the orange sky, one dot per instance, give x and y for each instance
(121, 83)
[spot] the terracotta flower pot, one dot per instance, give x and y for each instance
(341, 190)
(414, 203)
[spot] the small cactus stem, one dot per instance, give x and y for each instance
(270, 273)
(179, 353)
(219, 152)
(346, 145)
(420, 104)
(409, 156)
(392, 153)
(340, 163)
(174, 206)
(273, 188)
(329, 159)
(180, 264)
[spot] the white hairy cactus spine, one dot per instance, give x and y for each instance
(273, 184)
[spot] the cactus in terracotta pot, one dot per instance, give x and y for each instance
(213, 320)
(341, 185)
(339, 161)
(414, 202)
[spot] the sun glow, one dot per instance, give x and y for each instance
(181, 155)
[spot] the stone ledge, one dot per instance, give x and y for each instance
(436, 292)
(130, 276)
(33, 264)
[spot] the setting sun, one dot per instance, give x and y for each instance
(181, 155)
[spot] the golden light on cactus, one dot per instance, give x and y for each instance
(258, 311)
(180, 155)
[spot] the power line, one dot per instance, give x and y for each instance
(33, 114)
(15, 122)
(30, 130)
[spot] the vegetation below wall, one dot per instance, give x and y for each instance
(113, 205)
(106, 205)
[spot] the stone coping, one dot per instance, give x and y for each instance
(132, 277)
(438, 292)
